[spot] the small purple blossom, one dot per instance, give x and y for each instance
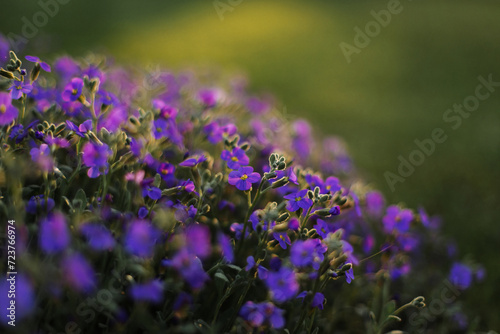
(193, 161)
(151, 291)
(298, 200)
(54, 235)
(226, 247)
(282, 284)
(42, 157)
(43, 65)
(190, 268)
(78, 273)
(461, 275)
(37, 204)
(140, 238)
(243, 178)
(198, 240)
(349, 275)
(73, 90)
(307, 253)
(235, 158)
(318, 299)
(259, 314)
(261, 270)
(282, 238)
(397, 219)
(374, 203)
(96, 157)
(19, 88)
(332, 185)
(98, 236)
(8, 112)
(152, 192)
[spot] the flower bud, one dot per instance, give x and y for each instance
(280, 183)
(35, 72)
(6, 74)
(282, 217)
(418, 302)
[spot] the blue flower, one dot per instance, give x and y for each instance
(282, 284)
(298, 200)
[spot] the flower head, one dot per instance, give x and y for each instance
(19, 88)
(235, 158)
(78, 273)
(54, 234)
(397, 219)
(8, 112)
(282, 284)
(141, 238)
(298, 200)
(151, 291)
(73, 90)
(96, 157)
(43, 65)
(243, 178)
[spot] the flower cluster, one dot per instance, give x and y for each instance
(197, 207)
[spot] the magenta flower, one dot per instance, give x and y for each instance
(54, 234)
(243, 178)
(43, 65)
(236, 158)
(73, 90)
(8, 112)
(19, 88)
(298, 200)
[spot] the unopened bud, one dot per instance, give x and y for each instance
(280, 183)
(283, 217)
(6, 74)
(35, 72)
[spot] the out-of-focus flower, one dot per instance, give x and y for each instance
(38, 204)
(140, 238)
(282, 284)
(461, 275)
(318, 299)
(25, 299)
(54, 235)
(98, 236)
(151, 291)
(397, 219)
(96, 157)
(78, 273)
(73, 90)
(42, 157)
(374, 203)
(198, 240)
(193, 161)
(307, 253)
(190, 268)
(282, 238)
(8, 112)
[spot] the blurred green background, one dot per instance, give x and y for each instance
(392, 92)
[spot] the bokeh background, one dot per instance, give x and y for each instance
(392, 92)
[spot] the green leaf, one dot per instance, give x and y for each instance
(80, 200)
(220, 281)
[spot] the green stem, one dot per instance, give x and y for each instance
(304, 219)
(247, 216)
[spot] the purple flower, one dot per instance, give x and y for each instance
(166, 128)
(282, 284)
(166, 171)
(209, 97)
(96, 157)
(243, 178)
(78, 273)
(37, 204)
(143, 212)
(198, 240)
(43, 65)
(374, 203)
(257, 314)
(298, 200)
(18, 133)
(461, 275)
(397, 219)
(54, 234)
(282, 238)
(80, 130)
(307, 253)
(332, 185)
(73, 90)
(193, 161)
(98, 236)
(41, 156)
(226, 247)
(19, 88)
(25, 297)
(8, 112)
(152, 192)
(140, 238)
(217, 133)
(151, 291)
(349, 275)
(322, 228)
(261, 270)
(318, 299)
(236, 158)
(190, 268)
(66, 67)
